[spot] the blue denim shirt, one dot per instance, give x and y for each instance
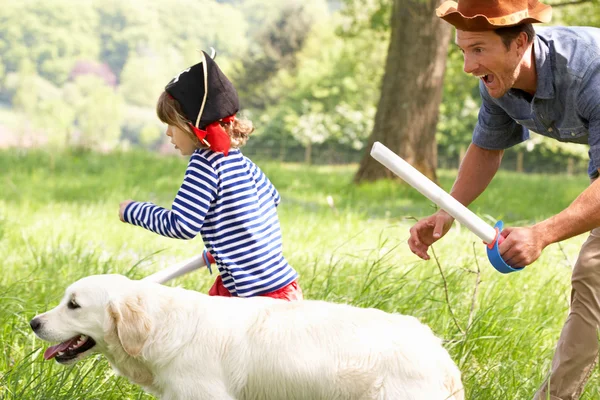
(566, 105)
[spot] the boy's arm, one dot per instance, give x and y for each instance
(184, 220)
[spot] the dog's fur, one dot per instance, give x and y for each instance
(181, 344)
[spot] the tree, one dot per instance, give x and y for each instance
(143, 79)
(279, 44)
(51, 35)
(411, 91)
(576, 12)
(99, 111)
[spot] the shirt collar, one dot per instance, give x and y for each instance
(543, 64)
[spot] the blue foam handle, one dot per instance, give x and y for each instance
(494, 254)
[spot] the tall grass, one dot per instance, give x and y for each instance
(58, 223)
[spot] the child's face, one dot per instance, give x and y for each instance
(182, 141)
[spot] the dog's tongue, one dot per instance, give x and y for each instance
(52, 351)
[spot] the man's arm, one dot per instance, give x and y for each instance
(581, 216)
(495, 131)
(475, 173)
(524, 245)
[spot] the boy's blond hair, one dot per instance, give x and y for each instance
(169, 111)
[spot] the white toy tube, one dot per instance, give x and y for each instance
(433, 192)
(177, 270)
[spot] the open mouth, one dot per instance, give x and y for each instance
(487, 79)
(69, 349)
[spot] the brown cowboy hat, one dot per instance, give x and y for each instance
(485, 15)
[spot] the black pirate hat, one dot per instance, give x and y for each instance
(206, 98)
(204, 93)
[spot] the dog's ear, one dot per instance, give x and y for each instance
(133, 325)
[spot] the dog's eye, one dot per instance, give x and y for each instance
(73, 305)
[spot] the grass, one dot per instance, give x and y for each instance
(58, 223)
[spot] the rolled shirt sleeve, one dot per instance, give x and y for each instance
(588, 107)
(495, 129)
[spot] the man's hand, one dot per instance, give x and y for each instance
(521, 246)
(427, 231)
(122, 207)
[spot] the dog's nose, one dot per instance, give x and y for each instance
(35, 324)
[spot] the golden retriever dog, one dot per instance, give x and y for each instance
(180, 344)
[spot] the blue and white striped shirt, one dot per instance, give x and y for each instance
(232, 204)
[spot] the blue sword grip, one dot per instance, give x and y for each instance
(494, 254)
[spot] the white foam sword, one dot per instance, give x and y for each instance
(490, 235)
(181, 268)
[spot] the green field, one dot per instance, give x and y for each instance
(59, 222)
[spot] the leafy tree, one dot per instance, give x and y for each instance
(189, 25)
(56, 117)
(337, 83)
(99, 111)
(150, 134)
(459, 108)
(26, 88)
(2, 76)
(330, 96)
(101, 70)
(42, 104)
(125, 27)
(580, 12)
(51, 35)
(407, 112)
(141, 126)
(143, 80)
(276, 55)
(372, 16)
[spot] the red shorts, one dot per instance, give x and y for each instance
(289, 292)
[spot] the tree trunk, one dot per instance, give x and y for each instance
(308, 153)
(570, 166)
(520, 157)
(411, 91)
(282, 149)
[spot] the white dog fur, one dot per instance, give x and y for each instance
(180, 344)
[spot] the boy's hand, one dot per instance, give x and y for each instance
(122, 207)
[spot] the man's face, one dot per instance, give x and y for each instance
(486, 57)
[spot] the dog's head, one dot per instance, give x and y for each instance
(103, 313)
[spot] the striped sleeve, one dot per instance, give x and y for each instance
(184, 220)
(261, 179)
(275, 194)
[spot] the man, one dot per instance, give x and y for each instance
(549, 83)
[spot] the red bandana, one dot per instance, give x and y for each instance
(215, 136)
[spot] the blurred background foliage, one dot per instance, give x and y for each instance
(85, 75)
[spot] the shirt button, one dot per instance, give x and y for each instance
(572, 133)
(550, 129)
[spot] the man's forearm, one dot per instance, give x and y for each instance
(581, 216)
(475, 173)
